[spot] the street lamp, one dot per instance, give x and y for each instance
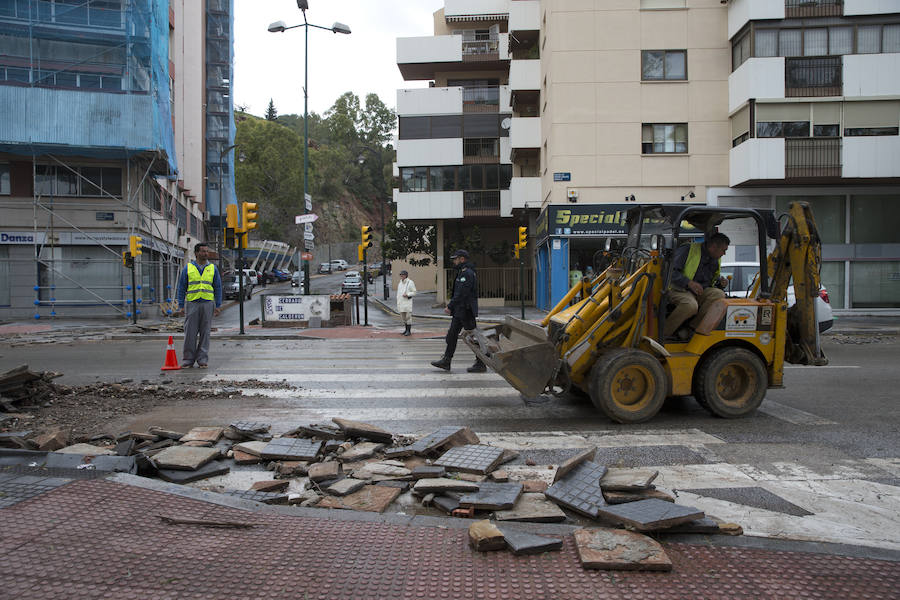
(220, 226)
(280, 27)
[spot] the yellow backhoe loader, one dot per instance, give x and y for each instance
(605, 336)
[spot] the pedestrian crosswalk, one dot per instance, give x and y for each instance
(783, 490)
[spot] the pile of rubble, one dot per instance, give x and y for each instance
(358, 466)
(21, 387)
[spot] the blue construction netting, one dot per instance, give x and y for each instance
(86, 78)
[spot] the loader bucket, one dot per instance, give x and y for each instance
(520, 352)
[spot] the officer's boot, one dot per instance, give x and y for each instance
(408, 330)
(478, 367)
(443, 363)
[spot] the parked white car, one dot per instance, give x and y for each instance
(253, 275)
(339, 265)
(743, 274)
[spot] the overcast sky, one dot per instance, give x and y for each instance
(270, 65)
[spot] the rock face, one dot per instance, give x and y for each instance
(620, 550)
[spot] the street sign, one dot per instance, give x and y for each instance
(562, 177)
(308, 236)
(308, 227)
(306, 256)
(310, 218)
(309, 245)
(308, 201)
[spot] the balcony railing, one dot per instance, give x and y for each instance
(813, 77)
(481, 151)
(498, 282)
(813, 8)
(481, 99)
(812, 157)
(481, 50)
(481, 203)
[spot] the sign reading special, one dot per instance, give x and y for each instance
(295, 308)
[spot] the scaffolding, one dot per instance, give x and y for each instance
(87, 88)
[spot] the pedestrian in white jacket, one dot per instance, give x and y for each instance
(406, 289)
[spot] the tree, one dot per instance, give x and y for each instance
(404, 241)
(271, 113)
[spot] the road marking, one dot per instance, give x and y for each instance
(599, 439)
(822, 367)
(792, 415)
(399, 392)
(461, 414)
(399, 379)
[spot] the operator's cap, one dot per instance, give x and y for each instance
(459, 253)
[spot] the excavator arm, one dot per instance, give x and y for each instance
(798, 256)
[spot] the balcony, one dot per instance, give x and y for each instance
(425, 206)
(525, 132)
(488, 10)
(481, 203)
(813, 8)
(481, 151)
(757, 160)
(524, 75)
(480, 99)
(807, 158)
(872, 74)
(430, 101)
(756, 78)
(813, 77)
(524, 15)
(447, 151)
(740, 12)
(420, 58)
(526, 192)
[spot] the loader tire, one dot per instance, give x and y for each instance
(731, 383)
(628, 385)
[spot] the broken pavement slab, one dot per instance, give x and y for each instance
(255, 448)
(439, 485)
(185, 458)
(484, 536)
(291, 449)
(202, 434)
(371, 498)
(52, 441)
(492, 496)
(250, 427)
(166, 433)
(373, 470)
(628, 480)
(243, 458)
(86, 449)
(324, 471)
(274, 486)
(568, 465)
(210, 469)
(522, 543)
(623, 497)
(364, 430)
(360, 451)
(650, 515)
(620, 550)
(580, 489)
(472, 458)
(322, 431)
(264, 497)
(345, 486)
(428, 472)
(533, 508)
(453, 435)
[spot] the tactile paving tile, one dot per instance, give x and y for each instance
(292, 449)
(433, 440)
(580, 489)
(50, 550)
(258, 496)
(16, 488)
(493, 496)
(470, 459)
(647, 515)
(250, 426)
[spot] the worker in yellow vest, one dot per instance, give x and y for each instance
(199, 299)
(695, 273)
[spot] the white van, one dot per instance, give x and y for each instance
(339, 265)
(253, 275)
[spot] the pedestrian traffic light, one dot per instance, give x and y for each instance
(231, 225)
(135, 246)
(523, 237)
(366, 237)
(248, 216)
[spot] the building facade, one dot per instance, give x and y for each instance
(103, 139)
(749, 103)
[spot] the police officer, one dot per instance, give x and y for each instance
(464, 308)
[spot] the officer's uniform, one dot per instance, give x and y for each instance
(463, 306)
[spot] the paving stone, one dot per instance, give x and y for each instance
(323, 431)
(264, 497)
(159, 445)
(507, 456)
(521, 542)
(623, 497)
(243, 458)
(580, 490)
(446, 503)
(52, 440)
(271, 485)
(345, 486)
(394, 483)
(397, 452)
(372, 470)
(650, 515)
(319, 472)
(184, 457)
(479, 459)
(441, 437)
(428, 472)
(166, 433)
(250, 426)
(106, 463)
(534, 508)
(500, 476)
(140, 436)
(202, 434)
(364, 430)
(255, 448)
(180, 476)
(292, 468)
(531, 486)
(493, 496)
(291, 449)
(474, 478)
(619, 550)
(371, 498)
(198, 444)
(628, 480)
(564, 469)
(87, 449)
(705, 525)
(330, 446)
(126, 447)
(484, 536)
(360, 451)
(439, 485)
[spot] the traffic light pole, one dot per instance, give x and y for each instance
(522, 285)
(241, 277)
(133, 296)
(365, 283)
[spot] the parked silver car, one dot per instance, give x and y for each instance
(231, 287)
(352, 284)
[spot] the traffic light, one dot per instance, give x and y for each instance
(523, 237)
(127, 259)
(248, 216)
(360, 253)
(366, 237)
(135, 246)
(231, 225)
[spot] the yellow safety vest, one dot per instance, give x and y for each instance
(200, 285)
(693, 263)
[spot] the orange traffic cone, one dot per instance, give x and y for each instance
(171, 363)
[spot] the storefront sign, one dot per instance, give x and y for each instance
(22, 237)
(587, 219)
(296, 308)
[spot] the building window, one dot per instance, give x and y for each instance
(414, 179)
(664, 138)
(52, 180)
(867, 131)
(485, 148)
(455, 178)
(826, 130)
(782, 129)
(4, 180)
(453, 126)
(663, 65)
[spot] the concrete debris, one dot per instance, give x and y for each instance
(521, 542)
(493, 496)
(471, 458)
(371, 470)
(650, 515)
(628, 480)
(208, 470)
(166, 433)
(87, 449)
(620, 550)
(184, 457)
(439, 485)
(360, 451)
(428, 472)
(533, 486)
(319, 472)
(564, 469)
(484, 536)
(623, 497)
(23, 387)
(53, 440)
(254, 448)
(534, 508)
(345, 486)
(271, 485)
(364, 430)
(500, 476)
(245, 458)
(371, 498)
(202, 434)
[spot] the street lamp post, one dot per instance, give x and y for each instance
(280, 27)
(381, 202)
(221, 225)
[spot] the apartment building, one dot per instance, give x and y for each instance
(814, 105)
(103, 138)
